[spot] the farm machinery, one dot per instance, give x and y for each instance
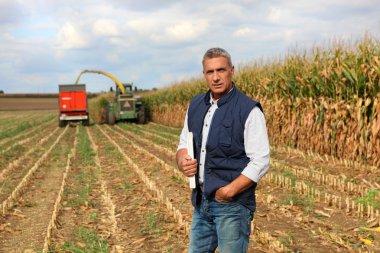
(73, 104)
(124, 105)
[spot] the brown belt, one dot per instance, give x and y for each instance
(201, 186)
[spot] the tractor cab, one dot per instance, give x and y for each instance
(128, 90)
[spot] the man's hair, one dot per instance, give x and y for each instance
(217, 52)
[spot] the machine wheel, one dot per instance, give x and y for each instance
(141, 115)
(86, 122)
(62, 123)
(111, 118)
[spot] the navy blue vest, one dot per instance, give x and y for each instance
(225, 152)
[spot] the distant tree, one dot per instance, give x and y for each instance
(1, 92)
(135, 88)
(111, 89)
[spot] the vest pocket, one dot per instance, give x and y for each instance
(225, 136)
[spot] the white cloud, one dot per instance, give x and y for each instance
(156, 42)
(144, 26)
(275, 14)
(183, 31)
(106, 27)
(70, 37)
(245, 32)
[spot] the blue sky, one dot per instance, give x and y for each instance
(154, 43)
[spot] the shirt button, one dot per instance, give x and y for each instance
(203, 150)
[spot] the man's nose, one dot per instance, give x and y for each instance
(215, 76)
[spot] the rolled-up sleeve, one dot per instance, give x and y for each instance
(256, 145)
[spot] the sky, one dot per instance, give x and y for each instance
(152, 43)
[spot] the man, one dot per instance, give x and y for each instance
(231, 150)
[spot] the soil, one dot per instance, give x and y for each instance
(23, 103)
(124, 194)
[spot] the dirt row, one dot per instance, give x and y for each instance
(24, 225)
(8, 120)
(25, 121)
(105, 207)
(120, 191)
(22, 130)
(321, 220)
(16, 149)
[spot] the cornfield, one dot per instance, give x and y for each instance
(117, 188)
(325, 100)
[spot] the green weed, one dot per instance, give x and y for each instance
(150, 227)
(93, 242)
(297, 200)
(371, 198)
(177, 180)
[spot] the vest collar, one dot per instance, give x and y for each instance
(221, 101)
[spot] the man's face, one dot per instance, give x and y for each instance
(218, 75)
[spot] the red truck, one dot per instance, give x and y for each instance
(73, 105)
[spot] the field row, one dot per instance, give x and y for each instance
(104, 188)
(337, 199)
(71, 191)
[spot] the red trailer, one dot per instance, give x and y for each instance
(73, 104)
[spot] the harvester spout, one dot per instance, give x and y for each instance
(118, 83)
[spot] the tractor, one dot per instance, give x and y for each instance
(124, 105)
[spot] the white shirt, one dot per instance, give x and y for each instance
(256, 142)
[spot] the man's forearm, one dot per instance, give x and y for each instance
(237, 186)
(240, 184)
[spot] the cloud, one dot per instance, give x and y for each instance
(11, 12)
(245, 32)
(71, 37)
(182, 31)
(276, 14)
(144, 5)
(106, 27)
(152, 43)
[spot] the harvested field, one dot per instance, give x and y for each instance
(27, 103)
(117, 189)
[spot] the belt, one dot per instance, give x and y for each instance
(201, 186)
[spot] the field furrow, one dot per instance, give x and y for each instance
(17, 151)
(329, 205)
(31, 205)
(160, 186)
(82, 218)
(22, 130)
(143, 222)
(12, 121)
(16, 183)
(117, 189)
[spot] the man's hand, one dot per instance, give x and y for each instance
(187, 165)
(225, 194)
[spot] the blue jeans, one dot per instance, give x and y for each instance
(223, 225)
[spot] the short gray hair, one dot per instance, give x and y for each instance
(217, 52)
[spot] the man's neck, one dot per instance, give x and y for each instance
(216, 99)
